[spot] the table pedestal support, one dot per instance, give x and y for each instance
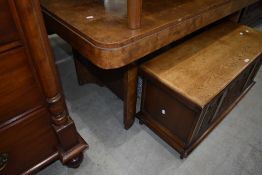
(134, 11)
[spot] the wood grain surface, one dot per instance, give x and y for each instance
(99, 30)
(203, 66)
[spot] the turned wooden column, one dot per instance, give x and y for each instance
(134, 12)
(42, 58)
(70, 144)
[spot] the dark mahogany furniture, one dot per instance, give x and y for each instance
(35, 128)
(252, 13)
(190, 88)
(101, 31)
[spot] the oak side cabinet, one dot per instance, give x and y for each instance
(190, 88)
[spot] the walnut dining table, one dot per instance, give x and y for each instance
(115, 34)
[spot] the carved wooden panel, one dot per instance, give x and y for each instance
(19, 90)
(210, 114)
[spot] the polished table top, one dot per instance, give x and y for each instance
(98, 28)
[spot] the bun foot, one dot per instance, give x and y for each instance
(183, 155)
(141, 122)
(75, 162)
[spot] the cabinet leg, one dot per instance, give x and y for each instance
(76, 161)
(141, 122)
(183, 155)
(130, 88)
(89, 74)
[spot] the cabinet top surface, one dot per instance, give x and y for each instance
(104, 22)
(204, 65)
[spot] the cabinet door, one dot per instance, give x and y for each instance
(236, 88)
(210, 114)
(8, 31)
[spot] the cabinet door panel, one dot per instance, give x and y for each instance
(8, 31)
(27, 142)
(19, 90)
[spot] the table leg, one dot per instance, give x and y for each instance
(84, 75)
(130, 90)
(122, 82)
(235, 17)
